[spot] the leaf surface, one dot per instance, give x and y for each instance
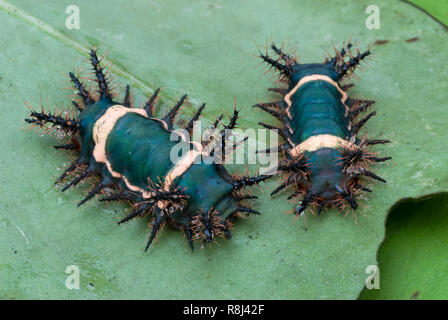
(206, 49)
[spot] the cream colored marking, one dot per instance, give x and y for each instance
(185, 163)
(314, 77)
(181, 167)
(165, 126)
(101, 130)
(104, 125)
(318, 142)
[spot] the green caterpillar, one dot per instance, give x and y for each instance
(129, 149)
(325, 159)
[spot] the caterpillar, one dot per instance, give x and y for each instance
(325, 159)
(128, 149)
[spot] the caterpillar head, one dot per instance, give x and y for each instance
(291, 71)
(215, 199)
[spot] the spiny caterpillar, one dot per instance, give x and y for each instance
(325, 159)
(129, 150)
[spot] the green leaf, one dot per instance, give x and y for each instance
(413, 260)
(206, 49)
(438, 9)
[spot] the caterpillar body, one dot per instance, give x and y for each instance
(325, 158)
(129, 150)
